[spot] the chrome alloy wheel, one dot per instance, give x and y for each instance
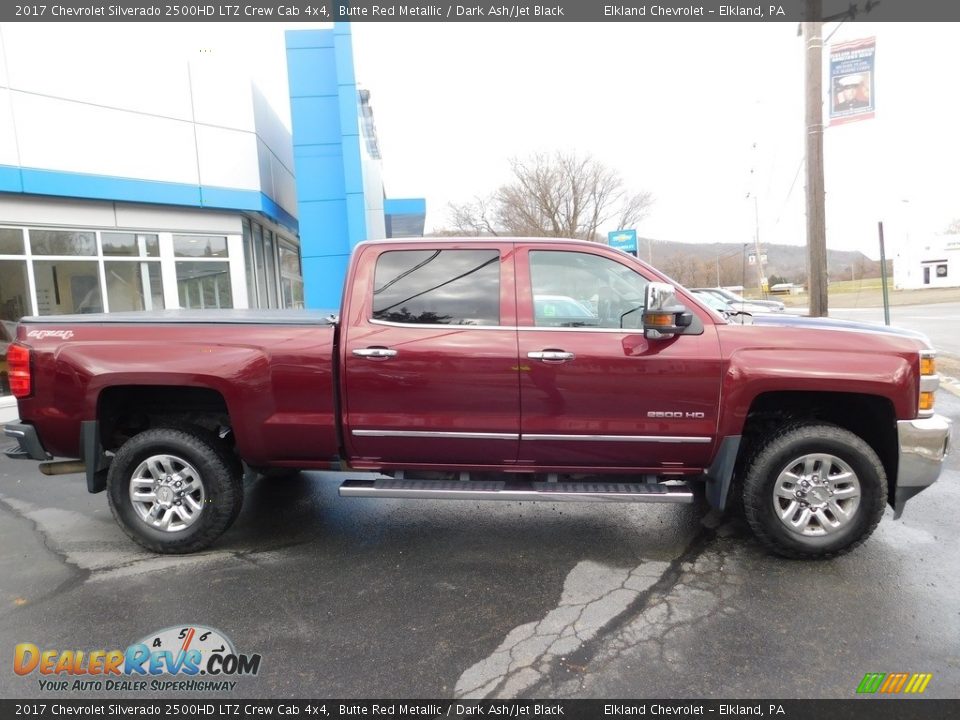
(166, 493)
(816, 495)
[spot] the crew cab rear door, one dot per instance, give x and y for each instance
(594, 392)
(429, 355)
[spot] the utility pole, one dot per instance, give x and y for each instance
(743, 269)
(756, 240)
(816, 221)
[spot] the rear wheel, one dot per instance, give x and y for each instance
(173, 490)
(813, 490)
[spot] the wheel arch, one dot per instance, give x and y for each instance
(870, 417)
(125, 410)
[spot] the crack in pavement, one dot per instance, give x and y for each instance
(703, 587)
(596, 601)
(77, 576)
(96, 550)
(593, 596)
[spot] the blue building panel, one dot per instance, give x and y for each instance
(295, 39)
(320, 172)
(356, 218)
(318, 293)
(352, 169)
(103, 187)
(229, 198)
(405, 206)
(315, 120)
(325, 221)
(349, 117)
(304, 78)
(10, 179)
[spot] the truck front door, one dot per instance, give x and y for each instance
(594, 392)
(430, 356)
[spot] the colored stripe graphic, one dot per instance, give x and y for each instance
(871, 682)
(918, 683)
(893, 683)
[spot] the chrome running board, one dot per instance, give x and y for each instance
(501, 490)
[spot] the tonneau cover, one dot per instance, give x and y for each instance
(196, 317)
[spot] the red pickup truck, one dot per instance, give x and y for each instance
(487, 369)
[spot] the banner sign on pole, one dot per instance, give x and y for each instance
(852, 81)
(625, 240)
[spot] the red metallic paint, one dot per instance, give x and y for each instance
(278, 380)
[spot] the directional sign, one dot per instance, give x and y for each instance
(625, 240)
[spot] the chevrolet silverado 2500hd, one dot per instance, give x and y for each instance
(486, 369)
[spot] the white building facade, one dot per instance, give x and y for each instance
(928, 263)
(138, 186)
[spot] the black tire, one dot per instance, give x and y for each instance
(773, 455)
(219, 473)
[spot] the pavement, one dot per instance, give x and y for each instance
(349, 597)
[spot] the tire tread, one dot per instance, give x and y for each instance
(754, 499)
(215, 452)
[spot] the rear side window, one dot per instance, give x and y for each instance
(438, 287)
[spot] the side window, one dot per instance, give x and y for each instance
(438, 287)
(576, 289)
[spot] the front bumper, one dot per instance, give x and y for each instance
(28, 443)
(924, 443)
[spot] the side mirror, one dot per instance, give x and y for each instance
(663, 315)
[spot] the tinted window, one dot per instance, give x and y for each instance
(132, 244)
(62, 242)
(11, 242)
(575, 289)
(199, 246)
(438, 287)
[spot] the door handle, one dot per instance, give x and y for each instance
(375, 352)
(551, 355)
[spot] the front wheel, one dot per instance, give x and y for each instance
(814, 490)
(174, 491)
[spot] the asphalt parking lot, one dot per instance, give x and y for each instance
(373, 598)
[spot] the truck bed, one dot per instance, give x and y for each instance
(273, 369)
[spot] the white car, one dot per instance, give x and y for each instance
(742, 304)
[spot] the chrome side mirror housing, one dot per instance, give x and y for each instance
(663, 315)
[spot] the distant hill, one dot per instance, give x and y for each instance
(696, 263)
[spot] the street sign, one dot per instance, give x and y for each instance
(625, 240)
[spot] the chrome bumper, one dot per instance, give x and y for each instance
(924, 443)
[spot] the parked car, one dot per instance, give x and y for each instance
(444, 374)
(715, 302)
(741, 303)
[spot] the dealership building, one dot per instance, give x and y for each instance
(928, 262)
(158, 186)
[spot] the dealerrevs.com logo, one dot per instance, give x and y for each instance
(184, 657)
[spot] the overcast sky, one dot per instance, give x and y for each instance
(699, 114)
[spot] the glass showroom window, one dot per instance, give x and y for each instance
(133, 279)
(203, 282)
(66, 282)
(251, 275)
(274, 279)
(291, 278)
(14, 295)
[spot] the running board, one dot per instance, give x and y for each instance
(498, 490)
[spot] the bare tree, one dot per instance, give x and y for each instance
(555, 195)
